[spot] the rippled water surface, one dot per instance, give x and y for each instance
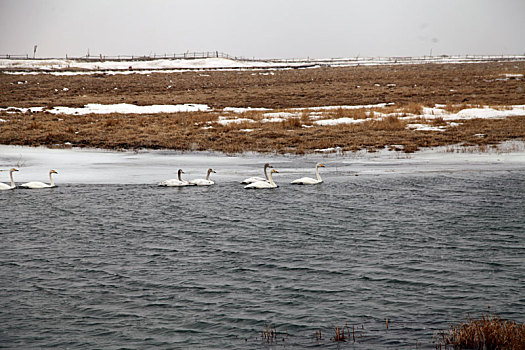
(138, 266)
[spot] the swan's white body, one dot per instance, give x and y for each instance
(258, 178)
(264, 184)
(4, 186)
(204, 182)
(176, 182)
(309, 180)
(38, 185)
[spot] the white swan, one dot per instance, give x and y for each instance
(309, 180)
(258, 178)
(204, 182)
(176, 182)
(4, 186)
(38, 184)
(264, 184)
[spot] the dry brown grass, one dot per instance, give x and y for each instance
(455, 108)
(191, 131)
(416, 86)
(489, 332)
(439, 121)
(390, 123)
(412, 108)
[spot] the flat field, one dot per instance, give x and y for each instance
(289, 96)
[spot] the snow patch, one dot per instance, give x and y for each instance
(240, 110)
(324, 122)
(121, 108)
(226, 120)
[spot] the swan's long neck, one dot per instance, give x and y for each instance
(266, 172)
(208, 175)
(51, 182)
(270, 178)
(180, 178)
(317, 173)
(11, 176)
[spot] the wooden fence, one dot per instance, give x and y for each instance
(328, 61)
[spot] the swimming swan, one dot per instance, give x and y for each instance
(258, 178)
(175, 182)
(204, 182)
(309, 180)
(38, 184)
(264, 184)
(4, 186)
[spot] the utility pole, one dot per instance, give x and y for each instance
(34, 51)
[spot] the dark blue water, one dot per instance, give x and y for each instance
(138, 266)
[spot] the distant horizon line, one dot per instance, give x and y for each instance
(219, 54)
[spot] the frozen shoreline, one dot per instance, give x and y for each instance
(95, 166)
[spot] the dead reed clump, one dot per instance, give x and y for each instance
(390, 123)
(291, 123)
(490, 332)
(339, 334)
(269, 334)
(305, 118)
(412, 108)
(455, 108)
(439, 121)
(111, 122)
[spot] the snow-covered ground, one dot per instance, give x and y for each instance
(74, 67)
(92, 166)
(122, 108)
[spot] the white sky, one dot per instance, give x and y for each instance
(263, 28)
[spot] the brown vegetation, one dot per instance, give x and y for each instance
(458, 86)
(490, 332)
(201, 131)
(425, 84)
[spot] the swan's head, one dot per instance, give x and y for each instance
(181, 171)
(210, 170)
(267, 165)
(53, 172)
(13, 169)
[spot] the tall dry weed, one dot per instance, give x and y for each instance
(489, 332)
(412, 108)
(390, 123)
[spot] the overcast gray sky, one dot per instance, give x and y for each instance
(263, 28)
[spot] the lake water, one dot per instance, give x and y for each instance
(109, 265)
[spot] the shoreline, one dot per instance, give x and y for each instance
(148, 167)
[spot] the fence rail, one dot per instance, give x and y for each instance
(186, 55)
(323, 62)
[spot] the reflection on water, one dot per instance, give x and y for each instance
(138, 266)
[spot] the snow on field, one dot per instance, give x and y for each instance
(122, 108)
(338, 121)
(113, 66)
(244, 109)
(484, 112)
(128, 67)
(226, 120)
